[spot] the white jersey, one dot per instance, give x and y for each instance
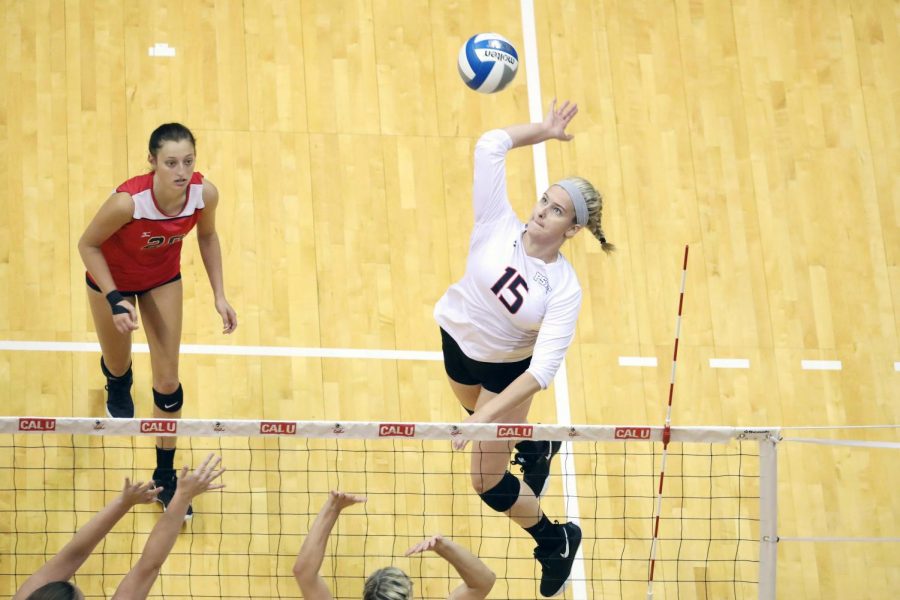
(508, 305)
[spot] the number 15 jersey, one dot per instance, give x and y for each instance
(508, 305)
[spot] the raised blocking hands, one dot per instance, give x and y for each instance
(139, 493)
(193, 483)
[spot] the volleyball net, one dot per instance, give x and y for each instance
(716, 529)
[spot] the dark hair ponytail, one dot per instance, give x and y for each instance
(169, 132)
(57, 590)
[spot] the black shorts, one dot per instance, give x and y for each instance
(96, 288)
(494, 377)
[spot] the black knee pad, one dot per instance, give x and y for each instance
(169, 402)
(530, 447)
(126, 376)
(502, 496)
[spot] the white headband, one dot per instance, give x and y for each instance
(581, 209)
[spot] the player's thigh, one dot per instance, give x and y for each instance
(115, 345)
(517, 415)
(490, 460)
(161, 313)
(466, 394)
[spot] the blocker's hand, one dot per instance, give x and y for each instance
(139, 493)
(428, 544)
(193, 483)
(341, 500)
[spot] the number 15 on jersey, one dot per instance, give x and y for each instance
(508, 288)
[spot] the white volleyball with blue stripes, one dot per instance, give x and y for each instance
(487, 62)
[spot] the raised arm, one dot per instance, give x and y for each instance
(553, 127)
(312, 552)
(477, 578)
(67, 561)
(140, 578)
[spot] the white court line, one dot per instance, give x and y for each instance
(729, 363)
(288, 351)
(373, 353)
(897, 366)
(535, 105)
(161, 49)
(561, 382)
(637, 361)
(821, 365)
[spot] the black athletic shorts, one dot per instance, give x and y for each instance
(96, 288)
(494, 377)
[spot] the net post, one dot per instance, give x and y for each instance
(768, 515)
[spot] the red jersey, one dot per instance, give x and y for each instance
(146, 252)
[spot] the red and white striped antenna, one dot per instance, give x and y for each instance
(667, 431)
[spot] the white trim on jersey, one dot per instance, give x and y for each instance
(508, 305)
(145, 207)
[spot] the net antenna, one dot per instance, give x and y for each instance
(667, 431)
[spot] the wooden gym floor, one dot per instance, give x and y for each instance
(763, 133)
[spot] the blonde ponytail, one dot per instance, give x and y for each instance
(594, 201)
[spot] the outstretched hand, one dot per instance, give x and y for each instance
(558, 119)
(424, 545)
(341, 500)
(193, 483)
(139, 493)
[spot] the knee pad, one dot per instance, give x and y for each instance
(502, 496)
(126, 376)
(530, 447)
(169, 402)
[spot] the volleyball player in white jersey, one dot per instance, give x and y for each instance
(506, 326)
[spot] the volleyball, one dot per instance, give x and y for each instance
(487, 62)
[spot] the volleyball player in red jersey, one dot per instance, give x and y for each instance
(132, 252)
